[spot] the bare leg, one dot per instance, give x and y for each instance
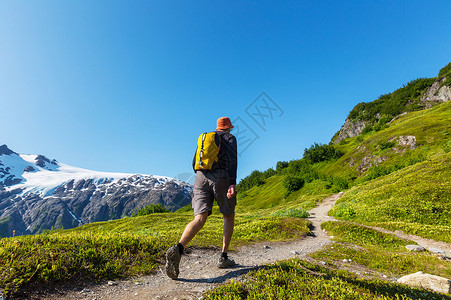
(229, 223)
(193, 228)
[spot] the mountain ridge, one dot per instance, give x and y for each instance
(38, 193)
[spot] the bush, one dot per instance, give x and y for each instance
(393, 104)
(386, 145)
(150, 209)
(292, 212)
(318, 153)
(256, 178)
(281, 165)
(292, 184)
(301, 168)
(445, 71)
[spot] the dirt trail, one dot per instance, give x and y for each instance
(198, 271)
(438, 247)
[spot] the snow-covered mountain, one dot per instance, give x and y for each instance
(38, 193)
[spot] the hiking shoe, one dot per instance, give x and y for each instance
(225, 263)
(172, 262)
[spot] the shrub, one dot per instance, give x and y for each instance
(368, 128)
(301, 168)
(248, 182)
(292, 212)
(386, 145)
(281, 165)
(445, 71)
(150, 209)
(292, 184)
(344, 211)
(318, 153)
(393, 104)
(256, 178)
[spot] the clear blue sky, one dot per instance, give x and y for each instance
(127, 86)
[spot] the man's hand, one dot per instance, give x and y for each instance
(231, 192)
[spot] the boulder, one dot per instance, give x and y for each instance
(415, 248)
(437, 251)
(350, 129)
(427, 281)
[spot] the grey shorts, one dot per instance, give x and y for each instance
(208, 187)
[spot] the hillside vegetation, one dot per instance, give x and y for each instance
(396, 177)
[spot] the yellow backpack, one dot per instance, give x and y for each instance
(207, 151)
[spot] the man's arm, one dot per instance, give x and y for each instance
(232, 160)
(194, 160)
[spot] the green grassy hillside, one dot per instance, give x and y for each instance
(386, 177)
(386, 183)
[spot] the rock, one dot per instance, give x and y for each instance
(427, 281)
(111, 283)
(437, 94)
(415, 248)
(350, 129)
(437, 251)
(407, 141)
(29, 169)
(4, 150)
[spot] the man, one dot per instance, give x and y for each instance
(217, 183)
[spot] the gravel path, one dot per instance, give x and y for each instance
(438, 247)
(198, 271)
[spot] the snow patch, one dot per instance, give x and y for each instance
(68, 210)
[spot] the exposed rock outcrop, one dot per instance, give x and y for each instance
(437, 93)
(427, 281)
(404, 142)
(350, 129)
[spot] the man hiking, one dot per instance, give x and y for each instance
(215, 164)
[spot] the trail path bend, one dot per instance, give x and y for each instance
(198, 271)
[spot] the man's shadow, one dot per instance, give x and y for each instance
(235, 272)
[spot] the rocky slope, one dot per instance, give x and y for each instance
(37, 193)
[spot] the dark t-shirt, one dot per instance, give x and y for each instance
(227, 157)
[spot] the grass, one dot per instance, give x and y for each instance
(430, 127)
(408, 199)
(297, 279)
(122, 248)
(31, 260)
(378, 251)
(364, 236)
